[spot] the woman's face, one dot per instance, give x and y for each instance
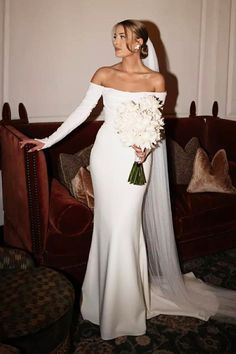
(120, 41)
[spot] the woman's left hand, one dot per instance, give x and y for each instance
(142, 154)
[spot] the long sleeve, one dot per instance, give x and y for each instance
(77, 117)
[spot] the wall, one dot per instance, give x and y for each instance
(51, 48)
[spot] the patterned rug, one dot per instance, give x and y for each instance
(173, 334)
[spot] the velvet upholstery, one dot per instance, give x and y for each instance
(65, 208)
(182, 130)
(16, 189)
(42, 217)
(221, 133)
(203, 222)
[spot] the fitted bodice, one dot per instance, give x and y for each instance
(113, 98)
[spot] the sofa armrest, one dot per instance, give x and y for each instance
(67, 215)
(25, 193)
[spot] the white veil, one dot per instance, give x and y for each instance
(190, 295)
(151, 60)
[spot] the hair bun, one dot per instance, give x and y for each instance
(144, 51)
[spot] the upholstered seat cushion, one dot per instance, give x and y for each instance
(192, 216)
(32, 300)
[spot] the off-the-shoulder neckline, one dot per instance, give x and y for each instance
(132, 92)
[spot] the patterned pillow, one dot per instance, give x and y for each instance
(82, 187)
(69, 164)
(211, 176)
(181, 160)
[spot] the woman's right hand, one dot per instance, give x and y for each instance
(38, 145)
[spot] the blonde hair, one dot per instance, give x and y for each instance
(139, 30)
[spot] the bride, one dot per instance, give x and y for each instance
(133, 271)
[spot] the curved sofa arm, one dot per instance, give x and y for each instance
(67, 215)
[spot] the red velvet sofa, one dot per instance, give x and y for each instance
(42, 217)
(204, 223)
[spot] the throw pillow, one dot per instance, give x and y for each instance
(69, 164)
(211, 176)
(181, 160)
(82, 187)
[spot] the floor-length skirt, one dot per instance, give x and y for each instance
(115, 290)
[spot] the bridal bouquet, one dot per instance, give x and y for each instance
(140, 123)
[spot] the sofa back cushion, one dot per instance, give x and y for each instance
(222, 135)
(78, 139)
(183, 129)
(181, 160)
(184, 136)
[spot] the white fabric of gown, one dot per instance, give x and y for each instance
(116, 292)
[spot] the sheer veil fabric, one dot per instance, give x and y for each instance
(185, 292)
(151, 60)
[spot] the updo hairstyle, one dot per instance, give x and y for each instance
(138, 29)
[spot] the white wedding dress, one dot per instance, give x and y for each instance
(115, 292)
(122, 286)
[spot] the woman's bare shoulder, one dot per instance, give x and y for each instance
(101, 75)
(158, 81)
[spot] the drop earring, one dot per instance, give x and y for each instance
(137, 46)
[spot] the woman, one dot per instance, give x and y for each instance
(121, 287)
